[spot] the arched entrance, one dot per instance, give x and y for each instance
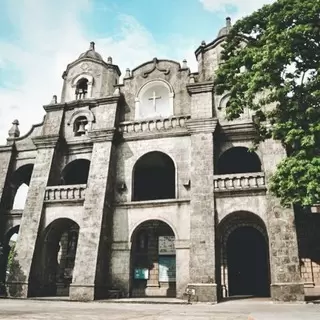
(55, 260)
(244, 255)
(153, 260)
(247, 257)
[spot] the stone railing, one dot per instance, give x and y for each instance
(65, 193)
(154, 125)
(239, 181)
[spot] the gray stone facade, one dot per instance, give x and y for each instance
(89, 165)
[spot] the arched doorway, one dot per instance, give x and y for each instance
(154, 177)
(243, 255)
(153, 260)
(55, 259)
(247, 257)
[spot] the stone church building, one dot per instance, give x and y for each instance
(143, 188)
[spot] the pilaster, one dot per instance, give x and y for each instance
(32, 215)
(286, 283)
(202, 224)
(91, 273)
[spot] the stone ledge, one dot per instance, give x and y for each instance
(153, 203)
(200, 87)
(202, 125)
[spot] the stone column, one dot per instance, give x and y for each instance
(202, 223)
(84, 273)
(31, 218)
(20, 285)
(286, 283)
(95, 230)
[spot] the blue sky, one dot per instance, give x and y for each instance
(38, 38)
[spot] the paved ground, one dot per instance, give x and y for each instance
(232, 310)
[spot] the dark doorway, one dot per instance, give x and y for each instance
(154, 177)
(247, 256)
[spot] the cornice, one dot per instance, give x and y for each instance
(42, 142)
(200, 87)
(201, 125)
(238, 131)
(102, 135)
(155, 135)
(6, 148)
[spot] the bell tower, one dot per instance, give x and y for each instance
(89, 77)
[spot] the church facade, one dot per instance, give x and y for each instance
(144, 189)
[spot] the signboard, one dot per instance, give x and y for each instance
(141, 274)
(167, 269)
(166, 245)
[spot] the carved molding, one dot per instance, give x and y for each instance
(155, 67)
(102, 135)
(201, 125)
(43, 142)
(200, 87)
(239, 131)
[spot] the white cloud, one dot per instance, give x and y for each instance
(54, 37)
(242, 7)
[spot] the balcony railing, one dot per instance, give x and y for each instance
(65, 193)
(239, 181)
(154, 125)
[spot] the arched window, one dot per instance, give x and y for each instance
(154, 99)
(80, 126)
(154, 177)
(81, 89)
(238, 160)
(76, 172)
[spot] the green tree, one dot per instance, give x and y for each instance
(271, 64)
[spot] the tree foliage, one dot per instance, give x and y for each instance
(271, 64)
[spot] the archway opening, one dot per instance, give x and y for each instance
(238, 160)
(154, 177)
(7, 254)
(247, 259)
(153, 260)
(76, 172)
(55, 260)
(18, 187)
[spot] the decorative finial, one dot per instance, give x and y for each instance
(92, 44)
(184, 64)
(128, 73)
(14, 132)
(54, 100)
(192, 80)
(228, 22)
(109, 60)
(203, 43)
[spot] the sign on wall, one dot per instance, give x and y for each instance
(141, 274)
(167, 268)
(166, 245)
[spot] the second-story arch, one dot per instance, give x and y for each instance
(82, 85)
(154, 177)
(238, 160)
(76, 172)
(18, 187)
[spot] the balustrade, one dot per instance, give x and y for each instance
(65, 193)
